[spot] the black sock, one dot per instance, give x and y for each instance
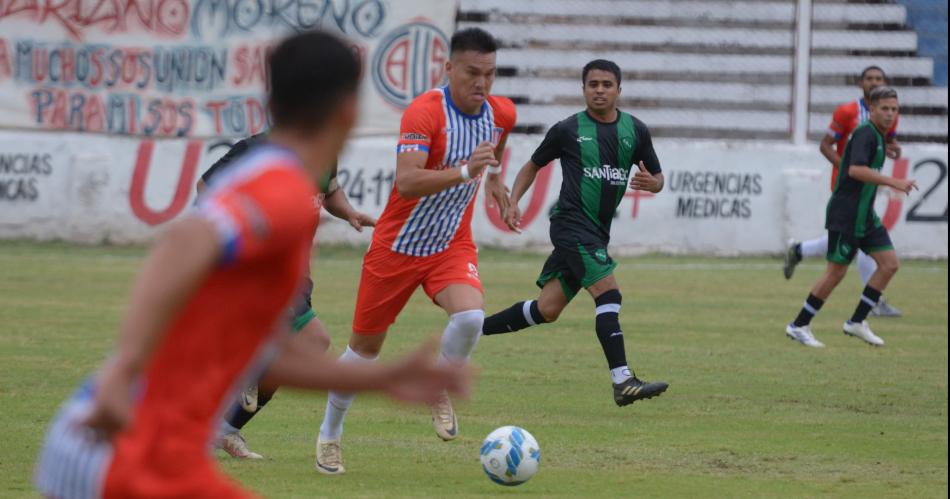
(798, 250)
(809, 309)
(238, 417)
(608, 328)
(513, 318)
(869, 299)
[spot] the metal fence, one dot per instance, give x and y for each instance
(712, 69)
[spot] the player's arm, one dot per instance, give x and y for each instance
(863, 147)
(827, 148)
(649, 176)
(494, 184)
(414, 180)
(548, 150)
(892, 148)
(523, 182)
(505, 117)
(840, 126)
(176, 265)
(868, 175)
(178, 262)
(643, 180)
(338, 205)
(414, 378)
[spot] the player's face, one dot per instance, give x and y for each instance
(471, 75)
(601, 91)
(884, 112)
(872, 79)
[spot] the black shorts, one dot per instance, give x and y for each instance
(577, 266)
(842, 247)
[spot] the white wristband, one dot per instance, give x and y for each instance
(494, 170)
(463, 170)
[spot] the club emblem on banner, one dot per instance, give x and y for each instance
(408, 61)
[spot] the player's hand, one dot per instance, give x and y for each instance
(644, 181)
(112, 406)
(513, 218)
(498, 194)
(904, 185)
(417, 377)
(482, 157)
(359, 220)
(892, 150)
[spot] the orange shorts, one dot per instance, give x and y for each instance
(389, 279)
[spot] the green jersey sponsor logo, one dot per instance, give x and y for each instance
(616, 176)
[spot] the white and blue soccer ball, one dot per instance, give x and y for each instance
(510, 455)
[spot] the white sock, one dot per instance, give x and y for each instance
(815, 247)
(338, 403)
(461, 335)
(866, 266)
(620, 374)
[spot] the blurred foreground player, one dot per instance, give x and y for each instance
(197, 315)
(305, 325)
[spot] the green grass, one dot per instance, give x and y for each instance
(748, 413)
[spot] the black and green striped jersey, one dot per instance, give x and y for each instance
(851, 207)
(596, 160)
(327, 184)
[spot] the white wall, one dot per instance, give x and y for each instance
(91, 189)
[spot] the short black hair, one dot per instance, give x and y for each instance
(864, 72)
(475, 39)
(309, 73)
(881, 93)
(603, 65)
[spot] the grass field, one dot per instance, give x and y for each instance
(748, 413)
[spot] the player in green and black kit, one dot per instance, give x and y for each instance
(304, 321)
(853, 225)
(598, 148)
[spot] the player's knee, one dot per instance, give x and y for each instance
(315, 338)
(321, 341)
(889, 267)
(549, 311)
(366, 346)
(610, 298)
(469, 321)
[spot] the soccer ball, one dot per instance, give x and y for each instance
(510, 455)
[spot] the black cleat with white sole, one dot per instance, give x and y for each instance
(635, 389)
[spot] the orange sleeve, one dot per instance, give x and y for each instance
(841, 121)
(506, 115)
(419, 124)
(265, 215)
(892, 132)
